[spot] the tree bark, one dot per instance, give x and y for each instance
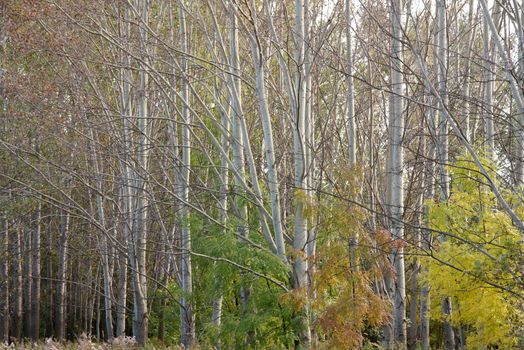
(187, 317)
(121, 296)
(300, 265)
(35, 273)
(443, 144)
(4, 280)
(28, 281)
(18, 283)
(127, 190)
(267, 128)
(429, 194)
(351, 128)
(413, 331)
(466, 122)
(396, 125)
(121, 265)
(515, 92)
(62, 284)
(489, 132)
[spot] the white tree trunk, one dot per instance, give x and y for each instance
(187, 317)
(127, 190)
(137, 243)
(429, 194)
(443, 143)
(466, 121)
(269, 149)
(489, 132)
(515, 92)
(396, 125)
(300, 265)
(351, 131)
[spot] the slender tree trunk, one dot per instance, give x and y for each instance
(4, 280)
(108, 290)
(97, 307)
(50, 286)
(162, 306)
(137, 245)
(413, 331)
(121, 296)
(466, 107)
(91, 302)
(187, 317)
(351, 128)
(489, 132)
(62, 270)
(396, 125)
(515, 92)
(238, 146)
(443, 144)
(413, 305)
(121, 263)
(127, 185)
(28, 281)
(309, 169)
(216, 313)
(18, 284)
(104, 241)
(429, 193)
(300, 265)
(267, 128)
(35, 272)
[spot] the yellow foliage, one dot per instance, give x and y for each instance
(343, 300)
(479, 260)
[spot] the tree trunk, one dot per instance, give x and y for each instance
(300, 265)
(216, 308)
(18, 283)
(121, 297)
(35, 272)
(127, 191)
(429, 194)
(396, 125)
(465, 122)
(515, 92)
(489, 132)
(137, 244)
(62, 284)
(108, 289)
(104, 240)
(443, 144)
(187, 317)
(309, 170)
(4, 280)
(351, 131)
(267, 128)
(414, 290)
(28, 281)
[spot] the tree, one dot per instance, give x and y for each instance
(395, 167)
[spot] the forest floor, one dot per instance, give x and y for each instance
(84, 343)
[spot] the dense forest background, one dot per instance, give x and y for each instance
(263, 174)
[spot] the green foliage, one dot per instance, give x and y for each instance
(267, 322)
(476, 264)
